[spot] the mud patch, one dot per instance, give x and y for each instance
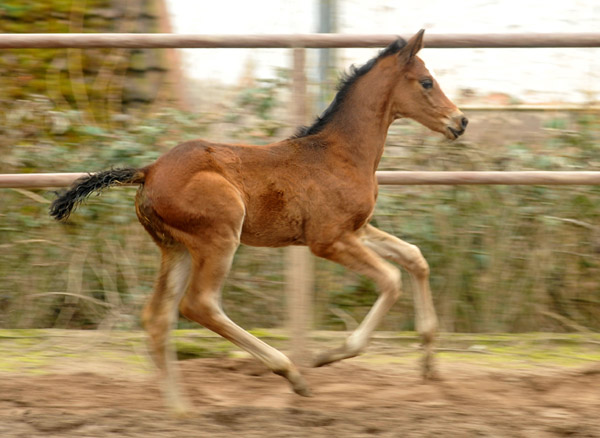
(235, 397)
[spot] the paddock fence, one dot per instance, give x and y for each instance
(181, 41)
(390, 177)
(299, 275)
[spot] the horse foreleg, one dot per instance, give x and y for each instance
(354, 255)
(410, 258)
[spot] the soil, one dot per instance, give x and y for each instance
(238, 397)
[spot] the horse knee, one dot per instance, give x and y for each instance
(418, 266)
(391, 285)
(427, 328)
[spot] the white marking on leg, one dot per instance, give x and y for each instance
(352, 254)
(409, 256)
(177, 282)
(390, 292)
(203, 305)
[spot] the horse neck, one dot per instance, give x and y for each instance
(361, 124)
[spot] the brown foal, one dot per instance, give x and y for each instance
(200, 200)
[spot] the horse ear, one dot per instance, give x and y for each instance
(412, 47)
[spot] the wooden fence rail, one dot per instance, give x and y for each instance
(42, 180)
(499, 178)
(171, 41)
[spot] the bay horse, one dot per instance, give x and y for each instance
(200, 200)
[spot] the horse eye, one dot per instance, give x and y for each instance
(427, 84)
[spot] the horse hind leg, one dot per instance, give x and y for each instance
(202, 303)
(160, 316)
(212, 241)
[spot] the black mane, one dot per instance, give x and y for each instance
(346, 82)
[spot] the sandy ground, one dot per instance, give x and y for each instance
(355, 398)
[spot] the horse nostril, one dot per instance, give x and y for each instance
(464, 122)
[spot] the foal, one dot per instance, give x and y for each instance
(200, 200)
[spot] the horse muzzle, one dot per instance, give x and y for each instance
(456, 126)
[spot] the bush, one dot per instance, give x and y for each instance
(503, 258)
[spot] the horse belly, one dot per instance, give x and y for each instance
(272, 230)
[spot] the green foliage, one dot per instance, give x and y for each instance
(255, 109)
(100, 264)
(502, 258)
(40, 71)
(97, 82)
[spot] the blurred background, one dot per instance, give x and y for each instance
(503, 258)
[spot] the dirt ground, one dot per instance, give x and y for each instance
(355, 398)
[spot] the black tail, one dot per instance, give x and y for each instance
(62, 206)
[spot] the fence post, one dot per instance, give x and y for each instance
(299, 266)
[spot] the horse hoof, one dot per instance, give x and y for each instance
(296, 381)
(304, 391)
(330, 356)
(299, 385)
(321, 360)
(181, 410)
(334, 355)
(429, 373)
